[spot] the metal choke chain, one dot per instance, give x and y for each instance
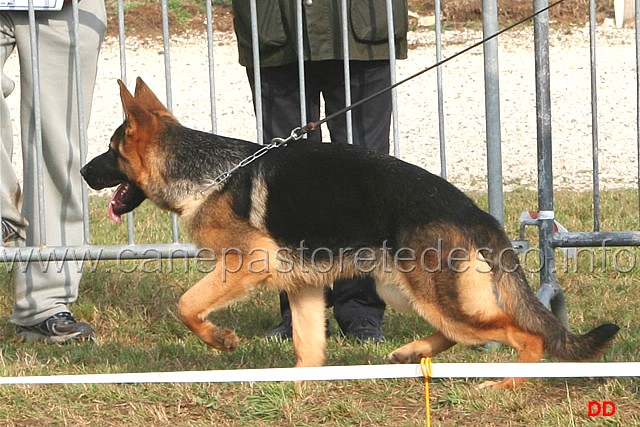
(296, 134)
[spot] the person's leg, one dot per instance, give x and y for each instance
(44, 292)
(284, 329)
(371, 121)
(281, 101)
(280, 115)
(13, 222)
(357, 308)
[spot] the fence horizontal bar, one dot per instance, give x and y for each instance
(595, 239)
(189, 250)
(357, 372)
(97, 252)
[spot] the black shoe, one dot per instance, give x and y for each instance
(59, 328)
(281, 332)
(365, 330)
(284, 331)
(10, 233)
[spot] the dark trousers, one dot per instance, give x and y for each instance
(355, 298)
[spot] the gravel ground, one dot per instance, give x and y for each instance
(417, 100)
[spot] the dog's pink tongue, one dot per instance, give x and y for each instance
(114, 216)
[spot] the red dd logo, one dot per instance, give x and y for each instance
(605, 408)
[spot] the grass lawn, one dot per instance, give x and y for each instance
(134, 314)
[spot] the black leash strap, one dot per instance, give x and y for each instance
(314, 125)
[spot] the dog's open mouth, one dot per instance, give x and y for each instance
(127, 197)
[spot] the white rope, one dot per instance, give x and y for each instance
(358, 372)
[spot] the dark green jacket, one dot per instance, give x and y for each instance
(322, 30)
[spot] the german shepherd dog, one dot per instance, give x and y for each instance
(307, 214)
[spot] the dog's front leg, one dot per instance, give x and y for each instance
(308, 323)
(214, 291)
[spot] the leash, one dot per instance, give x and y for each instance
(314, 125)
(299, 132)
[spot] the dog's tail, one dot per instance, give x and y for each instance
(531, 315)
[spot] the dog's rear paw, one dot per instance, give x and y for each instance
(506, 384)
(401, 357)
(225, 339)
(488, 384)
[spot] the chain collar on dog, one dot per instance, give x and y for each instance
(296, 134)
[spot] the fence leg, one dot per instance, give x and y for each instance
(550, 293)
(552, 297)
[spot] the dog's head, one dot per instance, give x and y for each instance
(129, 161)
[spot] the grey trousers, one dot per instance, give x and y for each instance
(44, 289)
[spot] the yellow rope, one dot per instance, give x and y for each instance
(427, 371)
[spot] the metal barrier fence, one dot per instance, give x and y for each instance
(549, 292)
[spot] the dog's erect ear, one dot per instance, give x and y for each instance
(148, 99)
(135, 113)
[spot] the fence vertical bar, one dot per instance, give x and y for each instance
(123, 77)
(167, 76)
(594, 116)
(549, 292)
(392, 70)
(441, 127)
(122, 42)
(212, 80)
(166, 53)
(492, 108)
(301, 79)
(346, 69)
(637, 22)
(82, 131)
(1, 169)
(257, 80)
(35, 60)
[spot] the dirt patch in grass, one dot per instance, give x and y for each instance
(145, 20)
(460, 12)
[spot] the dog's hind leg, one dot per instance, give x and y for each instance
(308, 323)
(423, 347)
(530, 348)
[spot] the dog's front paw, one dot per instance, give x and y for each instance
(225, 339)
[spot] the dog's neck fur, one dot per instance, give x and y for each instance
(209, 155)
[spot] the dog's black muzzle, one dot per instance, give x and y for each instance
(103, 172)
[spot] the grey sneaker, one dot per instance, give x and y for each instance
(10, 233)
(59, 328)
